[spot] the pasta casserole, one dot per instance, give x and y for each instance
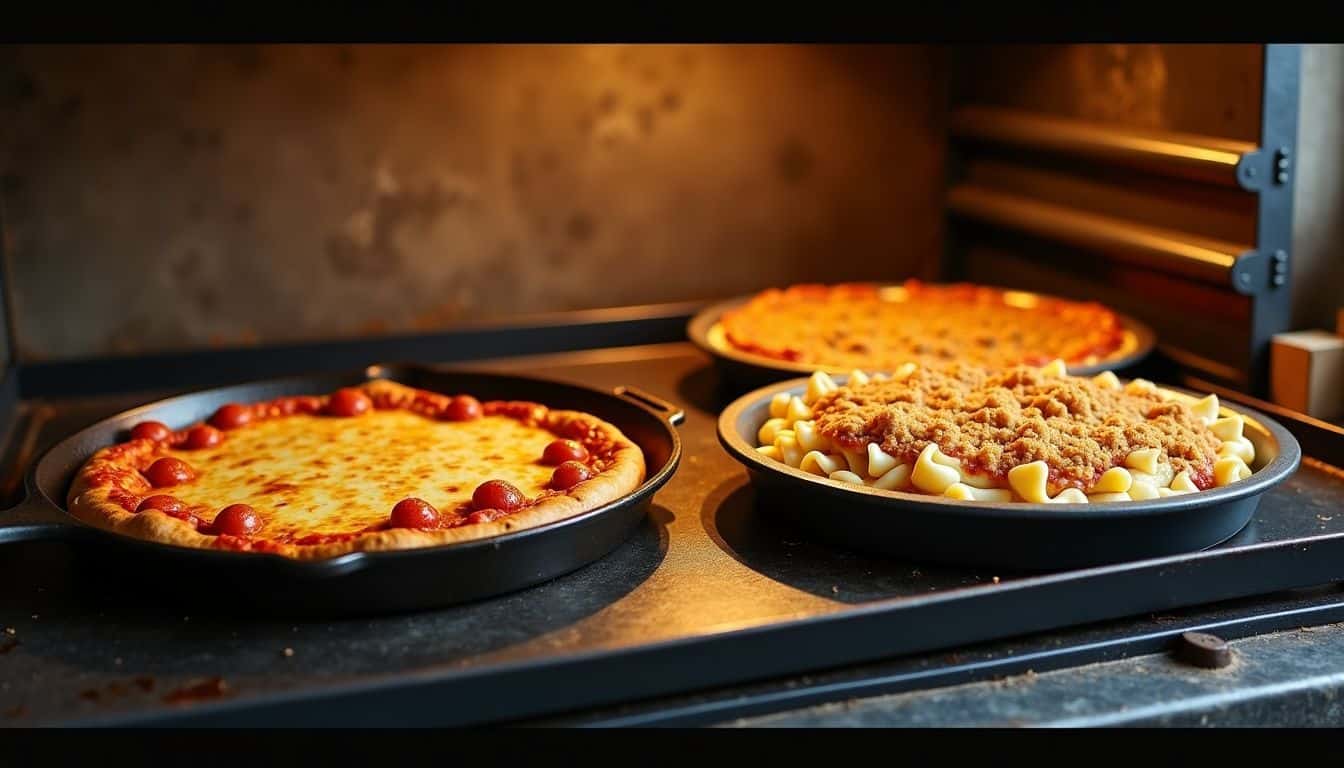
(1024, 434)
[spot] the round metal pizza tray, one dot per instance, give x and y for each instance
(357, 582)
(1017, 535)
(746, 370)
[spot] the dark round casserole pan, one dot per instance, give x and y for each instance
(745, 370)
(1017, 535)
(357, 582)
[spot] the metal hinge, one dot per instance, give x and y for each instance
(1251, 172)
(1250, 272)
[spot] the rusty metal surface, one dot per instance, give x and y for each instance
(187, 196)
(1290, 678)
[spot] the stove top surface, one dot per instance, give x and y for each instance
(77, 648)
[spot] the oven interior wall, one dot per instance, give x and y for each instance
(222, 196)
(1207, 91)
(195, 196)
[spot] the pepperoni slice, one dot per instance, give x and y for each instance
(151, 430)
(236, 520)
(169, 471)
(463, 408)
(289, 406)
(414, 513)
(203, 436)
(348, 402)
(560, 451)
(497, 494)
(163, 503)
(568, 475)
(231, 416)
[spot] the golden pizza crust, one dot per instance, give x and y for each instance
(94, 503)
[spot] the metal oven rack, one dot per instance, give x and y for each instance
(1010, 168)
(712, 601)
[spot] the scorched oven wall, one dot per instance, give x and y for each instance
(166, 204)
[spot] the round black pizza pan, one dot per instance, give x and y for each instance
(743, 371)
(1012, 536)
(358, 582)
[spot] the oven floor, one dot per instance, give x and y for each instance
(77, 650)
(1291, 677)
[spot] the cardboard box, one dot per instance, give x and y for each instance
(1307, 373)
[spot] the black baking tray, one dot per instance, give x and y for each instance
(354, 582)
(709, 592)
(1010, 535)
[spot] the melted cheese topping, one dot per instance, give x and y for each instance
(312, 474)
(878, 329)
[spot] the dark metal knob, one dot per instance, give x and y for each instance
(1203, 650)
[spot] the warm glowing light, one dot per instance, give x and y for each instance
(893, 293)
(1020, 299)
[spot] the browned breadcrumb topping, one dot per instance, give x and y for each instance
(996, 421)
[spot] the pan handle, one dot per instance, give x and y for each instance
(670, 411)
(34, 519)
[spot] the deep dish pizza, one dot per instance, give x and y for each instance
(878, 328)
(380, 466)
(1021, 434)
